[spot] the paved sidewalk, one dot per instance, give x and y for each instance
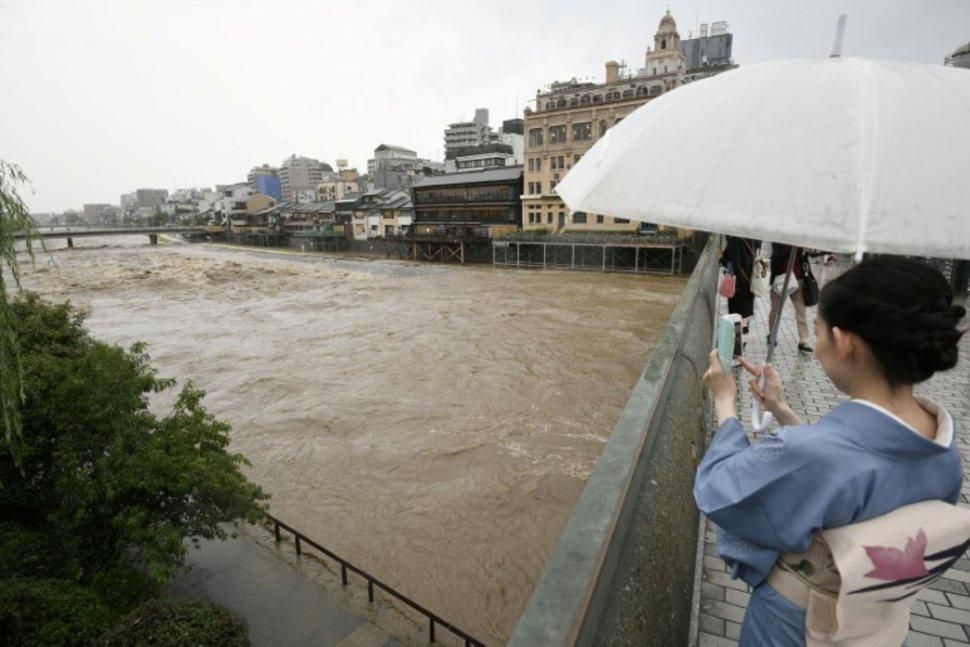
(941, 615)
(281, 606)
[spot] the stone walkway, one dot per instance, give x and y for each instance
(941, 614)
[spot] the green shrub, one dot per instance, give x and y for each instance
(118, 488)
(32, 553)
(49, 612)
(167, 622)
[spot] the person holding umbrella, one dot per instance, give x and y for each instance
(882, 327)
(822, 154)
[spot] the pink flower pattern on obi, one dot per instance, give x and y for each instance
(894, 564)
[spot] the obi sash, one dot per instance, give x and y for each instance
(857, 583)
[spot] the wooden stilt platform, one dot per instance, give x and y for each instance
(630, 254)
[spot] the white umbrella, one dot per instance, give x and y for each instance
(842, 154)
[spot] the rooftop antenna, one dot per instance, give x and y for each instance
(839, 37)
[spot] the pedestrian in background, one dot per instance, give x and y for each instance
(739, 254)
(779, 265)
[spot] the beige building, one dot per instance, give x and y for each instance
(570, 117)
(336, 188)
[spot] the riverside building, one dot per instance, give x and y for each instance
(569, 117)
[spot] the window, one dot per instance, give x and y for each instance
(599, 220)
(573, 102)
(539, 187)
(532, 166)
(550, 105)
(663, 44)
(603, 128)
(552, 163)
(557, 134)
(585, 99)
(552, 185)
(535, 137)
(627, 94)
(579, 218)
(561, 103)
(576, 157)
(621, 221)
(532, 188)
(549, 218)
(597, 98)
(582, 131)
(618, 120)
(538, 163)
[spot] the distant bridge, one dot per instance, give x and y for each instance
(151, 232)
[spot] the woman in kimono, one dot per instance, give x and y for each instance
(881, 327)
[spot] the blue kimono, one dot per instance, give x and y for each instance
(857, 462)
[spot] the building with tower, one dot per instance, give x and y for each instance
(665, 60)
(569, 117)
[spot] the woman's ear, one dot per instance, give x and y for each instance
(843, 341)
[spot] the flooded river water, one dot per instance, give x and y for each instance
(433, 424)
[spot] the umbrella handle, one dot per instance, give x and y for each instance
(757, 421)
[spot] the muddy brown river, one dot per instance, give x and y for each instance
(433, 424)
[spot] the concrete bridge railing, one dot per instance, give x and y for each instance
(623, 569)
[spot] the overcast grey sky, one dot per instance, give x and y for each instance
(104, 96)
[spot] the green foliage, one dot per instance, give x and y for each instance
(49, 612)
(114, 487)
(27, 552)
(178, 623)
(14, 219)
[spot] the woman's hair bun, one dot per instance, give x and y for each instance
(904, 310)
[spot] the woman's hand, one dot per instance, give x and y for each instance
(772, 396)
(722, 388)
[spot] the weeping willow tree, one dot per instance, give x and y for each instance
(15, 225)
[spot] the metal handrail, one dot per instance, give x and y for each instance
(578, 238)
(372, 581)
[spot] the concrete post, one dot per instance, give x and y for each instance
(152, 239)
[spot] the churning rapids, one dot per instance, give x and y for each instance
(433, 424)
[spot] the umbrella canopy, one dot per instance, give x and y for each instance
(841, 154)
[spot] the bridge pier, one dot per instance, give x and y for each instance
(70, 243)
(152, 239)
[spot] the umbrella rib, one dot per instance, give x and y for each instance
(868, 122)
